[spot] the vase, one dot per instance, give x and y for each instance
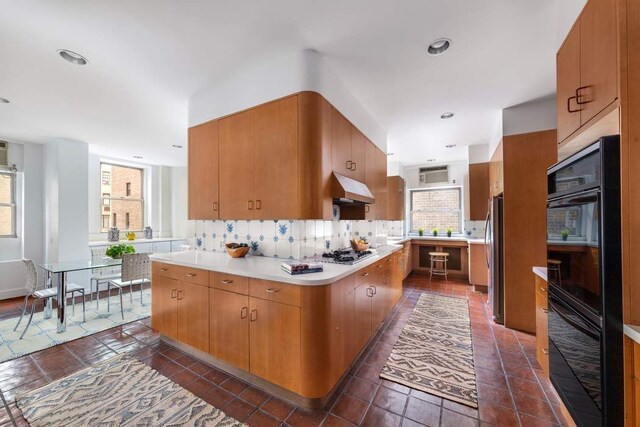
(148, 232)
(565, 238)
(113, 235)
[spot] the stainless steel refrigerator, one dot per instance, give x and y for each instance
(494, 251)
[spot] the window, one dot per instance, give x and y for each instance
(105, 222)
(122, 196)
(7, 204)
(439, 208)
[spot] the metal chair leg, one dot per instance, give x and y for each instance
(131, 292)
(108, 297)
(73, 303)
(141, 284)
(24, 309)
(121, 304)
(33, 308)
(84, 313)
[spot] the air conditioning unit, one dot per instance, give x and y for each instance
(434, 175)
(4, 154)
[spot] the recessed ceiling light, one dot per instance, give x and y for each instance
(137, 157)
(4, 100)
(73, 57)
(446, 115)
(431, 160)
(390, 154)
(439, 46)
(176, 146)
(450, 146)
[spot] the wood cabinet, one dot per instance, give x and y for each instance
(357, 157)
(340, 143)
(542, 324)
(363, 295)
(478, 270)
(457, 263)
(274, 337)
(180, 310)
(496, 172)
(478, 191)
(381, 193)
(203, 171)
(229, 327)
(587, 67)
(371, 176)
(407, 259)
(395, 198)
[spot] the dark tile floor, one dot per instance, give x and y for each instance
(511, 387)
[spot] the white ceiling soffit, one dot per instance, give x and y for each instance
(147, 58)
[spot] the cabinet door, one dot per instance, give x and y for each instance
(203, 171)
(342, 331)
(381, 194)
(363, 294)
(358, 155)
(598, 57)
(274, 337)
(276, 160)
(229, 327)
(542, 325)
(340, 143)
(193, 315)
(236, 166)
(164, 306)
(370, 177)
(478, 191)
(395, 198)
(568, 81)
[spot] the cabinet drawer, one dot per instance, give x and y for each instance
(191, 275)
(229, 282)
(275, 291)
(163, 270)
(364, 275)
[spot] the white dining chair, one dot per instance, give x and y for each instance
(100, 275)
(136, 270)
(44, 294)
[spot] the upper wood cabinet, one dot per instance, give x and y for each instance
(340, 143)
(357, 155)
(478, 191)
(496, 172)
(203, 171)
(371, 178)
(395, 198)
(587, 67)
(381, 194)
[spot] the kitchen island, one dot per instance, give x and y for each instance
(292, 336)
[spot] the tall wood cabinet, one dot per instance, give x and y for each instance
(395, 198)
(478, 191)
(587, 64)
(203, 171)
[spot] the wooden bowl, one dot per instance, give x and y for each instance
(359, 247)
(237, 252)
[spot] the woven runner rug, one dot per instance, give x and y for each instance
(120, 391)
(434, 352)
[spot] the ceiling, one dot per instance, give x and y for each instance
(148, 57)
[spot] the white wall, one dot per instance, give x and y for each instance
(303, 71)
(180, 225)
(539, 114)
(478, 153)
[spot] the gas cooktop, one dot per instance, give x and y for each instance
(346, 256)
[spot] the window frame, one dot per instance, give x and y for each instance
(410, 211)
(12, 204)
(142, 199)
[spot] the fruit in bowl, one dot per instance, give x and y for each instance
(237, 250)
(359, 245)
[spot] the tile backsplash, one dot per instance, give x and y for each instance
(474, 229)
(292, 239)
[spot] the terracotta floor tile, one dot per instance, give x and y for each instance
(234, 385)
(526, 387)
(427, 397)
(362, 389)
(301, 418)
(200, 387)
(277, 408)
(377, 417)
(527, 420)
(184, 377)
(369, 373)
(350, 408)
(254, 396)
(423, 412)
(391, 400)
(535, 407)
(333, 421)
(395, 386)
(494, 378)
(495, 395)
(216, 376)
(239, 409)
(218, 398)
(260, 419)
(449, 418)
(498, 415)
(460, 408)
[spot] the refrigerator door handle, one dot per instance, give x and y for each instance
(486, 230)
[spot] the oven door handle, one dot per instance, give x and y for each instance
(592, 333)
(583, 198)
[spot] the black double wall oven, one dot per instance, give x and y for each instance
(585, 283)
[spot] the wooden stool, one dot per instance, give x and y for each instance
(553, 266)
(439, 257)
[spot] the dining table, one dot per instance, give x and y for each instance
(57, 276)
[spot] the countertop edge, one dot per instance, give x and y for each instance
(294, 280)
(541, 272)
(129, 242)
(632, 331)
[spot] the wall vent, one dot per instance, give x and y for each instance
(434, 175)
(4, 154)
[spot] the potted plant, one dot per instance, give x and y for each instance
(420, 231)
(116, 251)
(449, 231)
(435, 231)
(565, 234)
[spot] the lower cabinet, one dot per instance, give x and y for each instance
(180, 310)
(274, 342)
(542, 324)
(229, 327)
(363, 295)
(406, 259)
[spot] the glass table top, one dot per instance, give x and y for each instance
(65, 266)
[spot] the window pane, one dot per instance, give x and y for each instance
(6, 221)
(120, 181)
(5, 188)
(123, 211)
(438, 208)
(440, 220)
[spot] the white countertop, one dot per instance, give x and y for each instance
(633, 332)
(400, 240)
(541, 272)
(476, 241)
(128, 242)
(267, 268)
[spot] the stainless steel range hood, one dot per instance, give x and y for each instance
(345, 190)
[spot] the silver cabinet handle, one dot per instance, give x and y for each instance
(215, 206)
(370, 292)
(164, 269)
(254, 315)
(365, 274)
(226, 281)
(243, 312)
(545, 310)
(272, 290)
(192, 274)
(174, 293)
(374, 289)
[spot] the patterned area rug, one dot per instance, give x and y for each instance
(120, 391)
(434, 352)
(42, 332)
